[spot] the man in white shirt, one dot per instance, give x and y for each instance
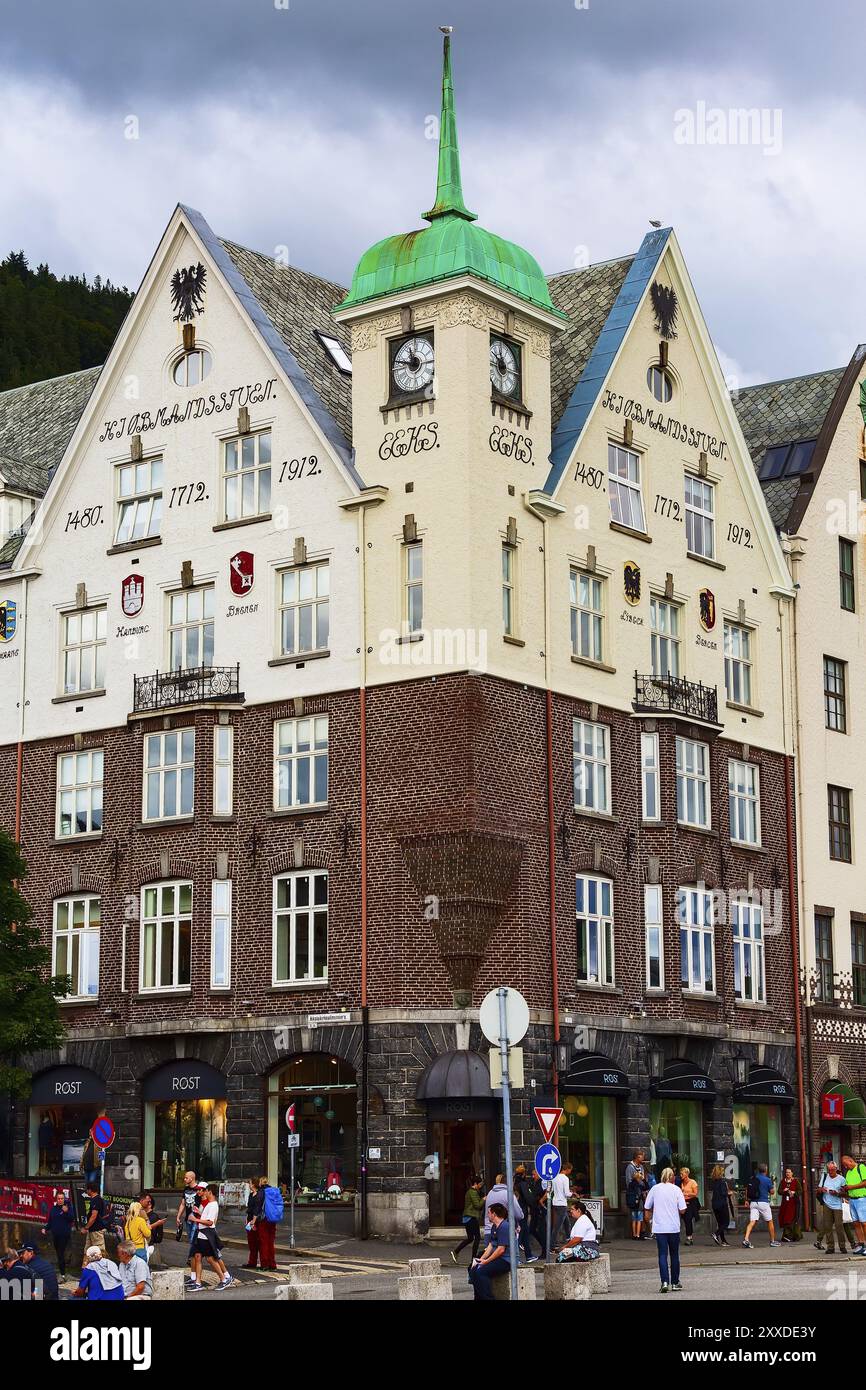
(206, 1245)
(665, 1202)
(561, 1195)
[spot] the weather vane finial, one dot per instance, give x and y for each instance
(449, 193)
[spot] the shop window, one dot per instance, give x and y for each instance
(676, 1138)
(324, 1092)
(587, 1140)
(757, 1139)
(60, 1144)
(185, 1134)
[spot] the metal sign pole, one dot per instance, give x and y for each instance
(548, 1255)
(292, 1199)
(506, 1134)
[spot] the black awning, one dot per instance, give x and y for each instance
(67, 1086)
(593, 1074)
(765, 1087)
(186, 1080)
(684, 1081)
(455, 1075)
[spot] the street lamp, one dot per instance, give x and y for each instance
(655, 1059)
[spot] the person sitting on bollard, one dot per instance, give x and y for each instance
(100, 1278)
(135, 1276)
(39, 1268)
(495, 1261)
(583, 1243)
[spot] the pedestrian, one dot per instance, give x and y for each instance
(720, 1199)
(157, 1226)
(253, 1244)
(267, 1210)
(499, 1193)
(185, 1224)
(495, 1262)
(521, 1192)
(831, 1191)
(135, 1275)
(790, 1208)
(59, 1224)
(14, 1271)
(207, 1245)
(39, 1268)
(100, 1278)
(635, 1191)
(560, 1197)
(137, 1229)
(666, 1203)
(538, 1198)
(759, 1191)
(689, 1189)
(855, 1181)
(473, 1211)
(582, 1244)
(96, 1225)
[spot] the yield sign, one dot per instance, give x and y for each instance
(548, 1118)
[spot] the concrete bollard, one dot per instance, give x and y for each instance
(568, 1281)
(424, 1288)
(168, 1284)
(305, 1293)
(419, 1268)
(526, 1291)
(599, 1274)
(305, 1274)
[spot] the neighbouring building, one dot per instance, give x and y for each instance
(375, 648)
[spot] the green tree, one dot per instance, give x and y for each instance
(29, 1016)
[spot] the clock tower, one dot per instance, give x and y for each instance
(451, 330)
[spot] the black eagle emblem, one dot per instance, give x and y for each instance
(187, 292)
(631, 582)
(665, 308)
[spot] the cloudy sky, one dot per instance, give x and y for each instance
(305, 123)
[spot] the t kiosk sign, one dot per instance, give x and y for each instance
(504, 1019)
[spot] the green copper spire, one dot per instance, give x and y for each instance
(449, 190)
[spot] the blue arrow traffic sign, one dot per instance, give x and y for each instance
(548, 1161)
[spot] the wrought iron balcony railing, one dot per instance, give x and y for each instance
(674, 695)
(195, 685)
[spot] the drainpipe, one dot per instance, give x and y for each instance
(365, 1012)
(551, 806)
(22, 694)
(793, 920)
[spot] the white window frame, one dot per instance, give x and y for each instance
(665, 637)
(739, 664)
(292, 912)
(413, 584)
(144, 500)
(159, 920)
(591, 770)
(310, 602)
(747, 930)
(509, 589)
(696, 925)
(85, 790)
(180, 373)
(307, 729)
(744, 801)
(653, 917)
(588, 635)
(699, 497)
(650, 781)
(88, 948)
(163, 771)
(83, 650)
(257, 444)
(180, 628)
(223, 769)
(221, 925)
(596, 927)
(693, 782)
(624, 486)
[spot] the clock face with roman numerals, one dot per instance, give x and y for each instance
(412, 367)
(504, 368)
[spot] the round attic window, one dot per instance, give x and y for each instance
(192, 367)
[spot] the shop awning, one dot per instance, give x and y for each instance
(765, 1087)
(853, 1106)
(455, 1075)
(67, 1086)
(684, 1081)
(593, 1074)
(184, 1080)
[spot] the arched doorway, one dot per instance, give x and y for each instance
(324, 1091)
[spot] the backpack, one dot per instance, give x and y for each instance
(633, 1194)
(272, 1209)
(753, 1191)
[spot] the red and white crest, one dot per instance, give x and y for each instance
(132, 595)
(242, 572)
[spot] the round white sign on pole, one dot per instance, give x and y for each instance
(516, 1017)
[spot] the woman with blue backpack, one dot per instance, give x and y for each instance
(267, 1212)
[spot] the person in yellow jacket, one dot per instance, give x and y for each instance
(137, 1229)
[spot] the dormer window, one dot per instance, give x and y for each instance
(506, 376)
(191, 368)
(412, 368)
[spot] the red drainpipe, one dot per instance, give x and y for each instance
(551, 867)
(795, 977)
(19, 777)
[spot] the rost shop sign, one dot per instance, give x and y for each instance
(68, 1086)
(187, 1079)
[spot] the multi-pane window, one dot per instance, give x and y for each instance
(649, 757)
(413, 586)
(587, 616)
(84, 650)
(247, 476)
(509, 563)
(139, 501)
(693, 783)
(744, 802)
(192, 367)
(300, 946)
(695, 918)
(738, 664)
(652, 916)
(220, 933)
(79, 793)
(834, 694)
(858, 962)
(594, 909)
(700, 517)
(665, 637)
(305, 609)
(190, 628)
(166, 931)
(223, 769)
(591, 760)
(624, 487)
(824, 974)
(747, 921)
(77, 922)
(301, 762)
(839, 817)
(660, 383)
(847, 587)
(169, 774)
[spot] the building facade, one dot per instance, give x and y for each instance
(374, 649)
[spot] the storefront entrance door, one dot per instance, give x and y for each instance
(463, 1147)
